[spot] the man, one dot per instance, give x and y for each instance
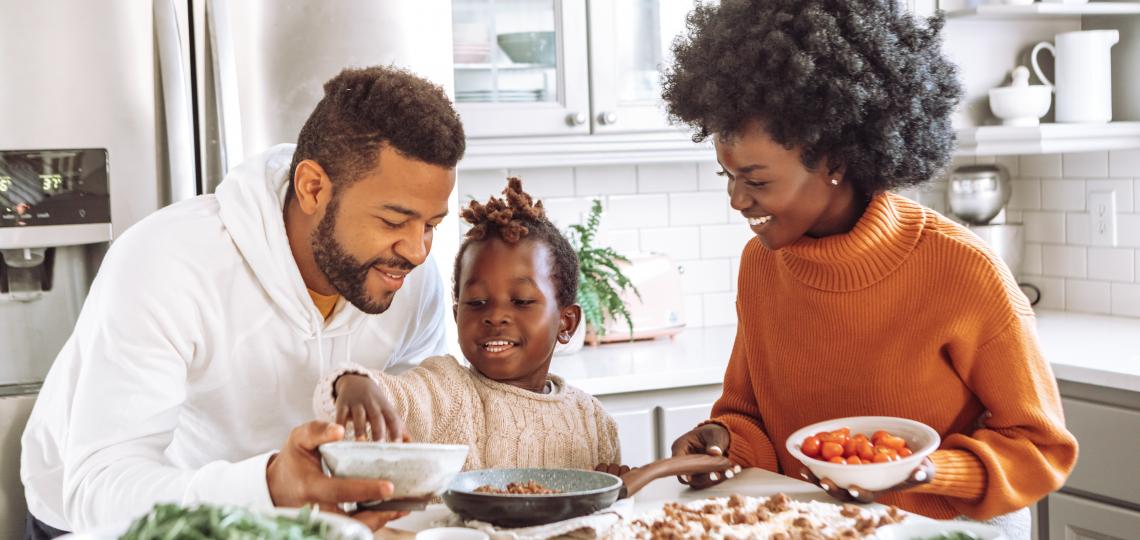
(212, 320)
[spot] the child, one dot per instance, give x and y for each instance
(852, 300)
(516, 279)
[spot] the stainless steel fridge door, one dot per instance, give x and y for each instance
(261, 64)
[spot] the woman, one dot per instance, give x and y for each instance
(853, 300)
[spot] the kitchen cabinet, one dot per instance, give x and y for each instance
(562, 67)
(649, 421)
(1101, 498)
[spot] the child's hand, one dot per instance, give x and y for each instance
(362, 401)
(711, 439)
(614, 469)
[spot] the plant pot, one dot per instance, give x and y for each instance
(575, 344)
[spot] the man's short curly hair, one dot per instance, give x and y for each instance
(515, 217)
(365, 108)
(853, 80)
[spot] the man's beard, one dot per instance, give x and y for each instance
(346, 274)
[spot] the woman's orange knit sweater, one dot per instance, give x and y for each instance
(910, 315)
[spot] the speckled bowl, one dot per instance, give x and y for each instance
(582, 492)
(417, 470)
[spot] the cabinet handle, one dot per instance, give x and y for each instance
(575, 119)
(608, 118)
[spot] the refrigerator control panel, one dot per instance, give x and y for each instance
(54, 187)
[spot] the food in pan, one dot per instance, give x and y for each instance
(739, 517)
(530, 487)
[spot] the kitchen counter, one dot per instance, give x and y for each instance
(1092, 349)
(750, 482)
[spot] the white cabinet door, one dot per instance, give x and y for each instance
(1074, 518)
(638, 440)
(678, 420)
(630, 45)
(520, 67)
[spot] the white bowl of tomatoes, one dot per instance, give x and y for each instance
(870, 452)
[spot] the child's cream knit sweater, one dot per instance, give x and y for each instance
(443, 401)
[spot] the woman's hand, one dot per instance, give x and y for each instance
(360, 401)
(920, 475)
(711, 439)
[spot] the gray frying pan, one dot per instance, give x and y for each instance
(581, 492)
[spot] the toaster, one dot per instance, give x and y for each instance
(660, 310)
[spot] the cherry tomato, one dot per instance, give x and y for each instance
(830, 450)
(810, 447)
(838, 460)
(891, 441)
(854, 460)
(865, 450)
(904, 452)
(880, 458)
(878, 435)
(850, 448)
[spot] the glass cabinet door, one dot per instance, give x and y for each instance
(630, 45)
(520, 66)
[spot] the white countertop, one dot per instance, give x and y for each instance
(1091, 349)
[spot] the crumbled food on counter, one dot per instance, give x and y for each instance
(530, 487)
(740, 517)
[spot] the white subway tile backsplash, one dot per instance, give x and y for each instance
(708, 179)
(545, 181)
(694, 310)
(605, 180)
(1040, 165)
(734, 216)
(1077, 229)
(1045, 227)
(698, 208)
(1137, 266)
(724, 240)
(1110, 264)
(1011, 164)
(735, 272)
(1123, 189)
(1124, 163)
(1026, 195)
(720, 309)
(705, 276)
(567, 211)
(1088, 296)
(676, 242)
(1031, 259)
(1128, 230)
(479, 185)
(1064, 261)
(1126, 300)
(1085, 164)
(1066, 195)
(624, 241)
(636, 211)
(1052, 291)
(667, 177)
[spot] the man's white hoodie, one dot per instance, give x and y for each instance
(196, 353)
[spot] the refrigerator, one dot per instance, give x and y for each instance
(112, 109)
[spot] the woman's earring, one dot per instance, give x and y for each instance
(835, 181)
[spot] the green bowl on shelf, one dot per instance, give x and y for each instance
(529, 47)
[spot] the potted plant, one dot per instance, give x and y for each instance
(600, 279)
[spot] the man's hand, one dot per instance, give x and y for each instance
(361, 402)
(295, 477)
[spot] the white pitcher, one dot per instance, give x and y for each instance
(1083, 74)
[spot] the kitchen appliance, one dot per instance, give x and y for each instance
(1020, 103)
(659, 310)
(977, 193)
(1083, 74)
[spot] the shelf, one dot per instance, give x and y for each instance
(502, 67)
(577, 150)
(1001, 11)
(1047, 139)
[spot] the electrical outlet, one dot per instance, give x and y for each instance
(1102, 218)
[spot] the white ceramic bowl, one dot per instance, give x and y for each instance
(340, 527)
(1020, 105)
(451, 533)
(416, 470)
(922, 530)
(920, 438)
